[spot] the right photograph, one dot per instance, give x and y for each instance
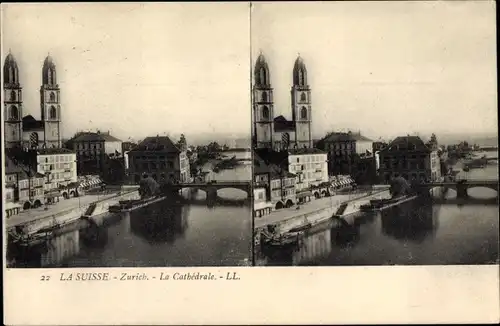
(374, 133)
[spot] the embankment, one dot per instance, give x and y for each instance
(53, 219)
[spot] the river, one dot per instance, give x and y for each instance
(438, 231)
(196, 233)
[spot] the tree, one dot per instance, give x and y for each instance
(399, 187)
(182, 143)
(434, 139)
(148, 187)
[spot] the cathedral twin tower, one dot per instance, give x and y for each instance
(27, 131)
(279, 133)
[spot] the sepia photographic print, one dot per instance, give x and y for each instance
(118, 151)
(287, 158)
(375, 133)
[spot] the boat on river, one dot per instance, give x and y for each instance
(26, 240)
(133, 204)
(382, 204)
(285, 239)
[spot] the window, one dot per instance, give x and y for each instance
(303, 113)
(14, 113)
(264, 97)
(265, 112)
(12, 95)
(303, 97)
(52, 97)
(52, 113)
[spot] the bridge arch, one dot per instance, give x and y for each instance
(209, 189)
(482, 191)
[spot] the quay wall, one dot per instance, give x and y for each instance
(73, 214)
(350, 212)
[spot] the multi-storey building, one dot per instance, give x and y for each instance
(278, 132)
(282, 187)
(58, 165)
(261, 206)
(159, 158)
(310, 165)
(26, 185)
(27, 131)
(31, 189)
(341, 149)
(99, 153)
(410, 158)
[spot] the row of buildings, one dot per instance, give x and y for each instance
(290, 167)
(41, 168)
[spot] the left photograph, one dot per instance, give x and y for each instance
(127, 135)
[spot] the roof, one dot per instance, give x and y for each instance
(282, 124)
(53, 151)
(163, 144)
(259, 166)
(338, 137)
(94, 136)
(406, 143)
(305, 151)
(359, 137)
(10, 166)
(278, 172)
(30, 123)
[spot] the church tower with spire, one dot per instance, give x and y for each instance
(263, 107)
(50, 105)
(301, 105)
(13, 103)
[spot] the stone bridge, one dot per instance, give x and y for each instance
(212, 187)
(461, 187)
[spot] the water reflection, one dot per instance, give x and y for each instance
(412, 221)
(94, 236)
(161, 222)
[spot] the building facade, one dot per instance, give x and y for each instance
(26, 131)
(409, 157)
(159, 158)
(94, 150)
(58, 165)
(24, 183)
(261, 206)
(310, 165)
(341, 149)
(12, 103)
(282, 187)
(278, 132)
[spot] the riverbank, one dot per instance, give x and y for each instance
(67, 211)
(317, 210)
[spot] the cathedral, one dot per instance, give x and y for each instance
(278, 133)
(26, 131)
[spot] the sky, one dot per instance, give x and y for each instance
(384, 68)
(137, 69)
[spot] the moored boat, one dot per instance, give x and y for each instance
(381, 204)
(130, 205)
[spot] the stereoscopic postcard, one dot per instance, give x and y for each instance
(250, 163)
